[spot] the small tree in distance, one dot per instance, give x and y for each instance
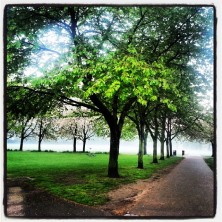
(44, 129)
(24, 129)
(76, 128)
(85, 130)
(68, 129)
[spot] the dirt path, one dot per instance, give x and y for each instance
(187, 191)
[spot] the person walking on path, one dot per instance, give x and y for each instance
(187, 191)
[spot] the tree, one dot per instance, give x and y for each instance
(138, 118)
(24, 129)
(68, 128)
(202, 130)
(162, 134)
(85, 130)
(44, 129)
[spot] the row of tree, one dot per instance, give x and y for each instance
(145, 63)
(51, 128)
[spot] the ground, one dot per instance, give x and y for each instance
(186, 190)
(128, 195)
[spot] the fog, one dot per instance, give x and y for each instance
(102, 145)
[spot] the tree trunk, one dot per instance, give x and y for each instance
(162, 149)
(75, 139)
(155, 137)
(167, 148)
(84, 146)
(171, 147)
(39, 144)
(21, 142)
(115, 127)
(22, 136)
(40, 136)
(141, 133)
(155, 150)
(141, 148)
(169, 137)
(114, 153)
(74, 144)
(145, 142)
(162, 138)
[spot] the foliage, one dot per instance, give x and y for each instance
(85, 129)
(24, 128)
(102, 130)
(76, 127)
(67, 128)
(78, 177)
(44, 129)
(202, 129)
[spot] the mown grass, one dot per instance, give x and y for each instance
(210, 162)
(79, 177)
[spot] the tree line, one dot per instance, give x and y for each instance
(150, 65)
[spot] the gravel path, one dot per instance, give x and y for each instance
(187, 191)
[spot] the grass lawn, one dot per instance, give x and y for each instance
(210, 162)
(78, 177)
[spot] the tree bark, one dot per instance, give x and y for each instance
(75, 139)
(141, 147)
(171, 146)
(162, 149)
(114, 153)
(155, 150)
(145, 142)
(74, 144)
(162, 138)
(155, 137)
(39, 145)
(167, 148)
(84, 146)
(40, 136)
(170, 137)
(21, 141)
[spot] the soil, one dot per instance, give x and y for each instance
(123, 198)
(186, 190)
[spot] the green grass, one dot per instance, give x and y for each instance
(79, 177)
(210, 162)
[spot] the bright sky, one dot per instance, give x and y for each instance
(58, 43)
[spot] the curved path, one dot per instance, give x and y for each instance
(187, 191)
(32, 203)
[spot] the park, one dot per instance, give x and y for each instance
(121, 73)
